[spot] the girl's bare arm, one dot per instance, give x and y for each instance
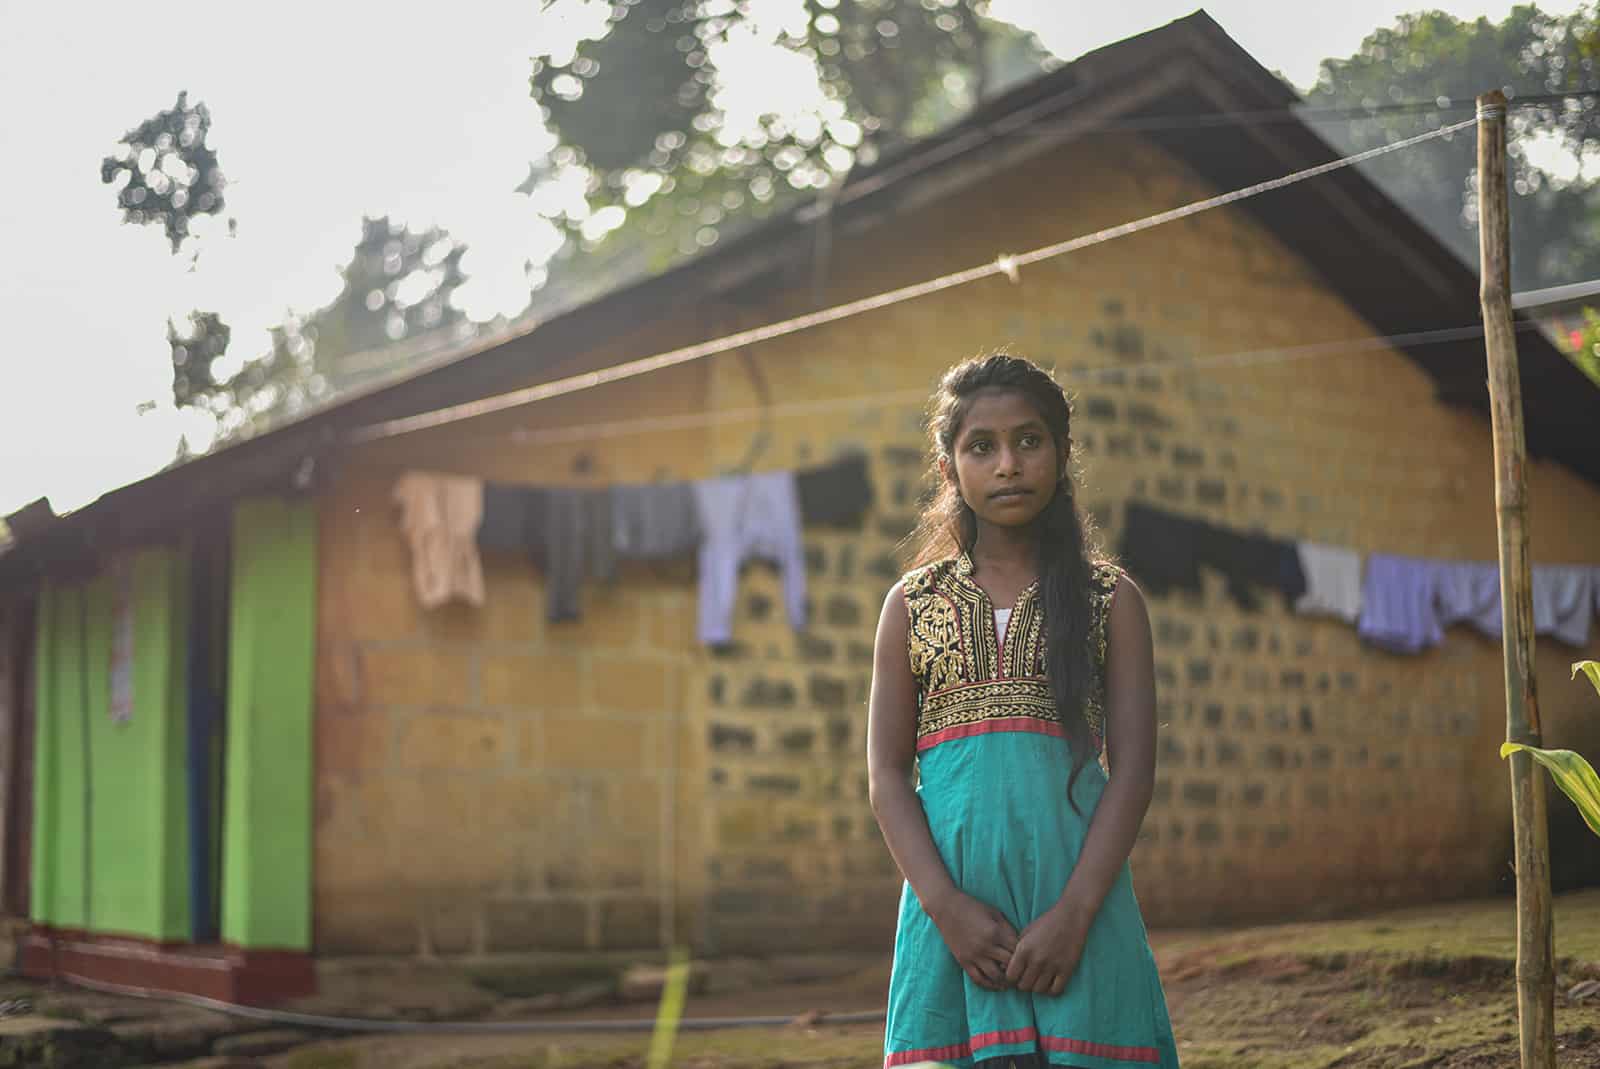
(978, 935)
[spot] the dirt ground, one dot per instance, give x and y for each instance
(1424, 987)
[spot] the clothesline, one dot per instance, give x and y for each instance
(1399, 603)
(601, 430)
(1007, 265)
(574, 534)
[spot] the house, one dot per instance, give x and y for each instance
(311, 764)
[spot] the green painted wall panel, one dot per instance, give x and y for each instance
(104, 779)
(61, 813)
(266, 852)
(110, 827)
(174, 910)
(46, 818)
(139, 857)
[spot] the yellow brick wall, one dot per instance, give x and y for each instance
(491, 781)
(487, 780)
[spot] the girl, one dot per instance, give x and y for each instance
(1015, 670)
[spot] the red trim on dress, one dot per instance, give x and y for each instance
(1022, 1035)
(962, 1050)
(1029, 724)
(1102, 1050)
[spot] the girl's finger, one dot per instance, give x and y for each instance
(1058, 984)
(988, 978)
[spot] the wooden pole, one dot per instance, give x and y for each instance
(1536, 983)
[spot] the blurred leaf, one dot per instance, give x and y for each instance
(1583, 345)
(1575, 776)
(1590, 669)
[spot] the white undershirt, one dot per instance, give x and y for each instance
(1001, 618)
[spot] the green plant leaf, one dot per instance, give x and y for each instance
(1575, 776)
(1590, 669)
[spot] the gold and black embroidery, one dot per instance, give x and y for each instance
(991, 699)
(936, 636)
(967, 674)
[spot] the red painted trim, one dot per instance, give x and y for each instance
(962, 1050)
(1101, 1050)
(1028, 724)
(1010, 1035)
(926, 1054)
(218, 971)
(1022, 1035)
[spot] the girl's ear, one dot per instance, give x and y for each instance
(944, 470)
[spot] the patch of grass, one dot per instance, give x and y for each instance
(1363, 1010)
(322, 1059)
(1481, 931)
(1225, 1055)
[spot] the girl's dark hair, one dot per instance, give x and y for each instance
(948, 525)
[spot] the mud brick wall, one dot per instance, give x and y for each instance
(488, 781)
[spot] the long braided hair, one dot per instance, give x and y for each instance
(948, 525)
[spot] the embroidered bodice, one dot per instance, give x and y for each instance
(970, 675)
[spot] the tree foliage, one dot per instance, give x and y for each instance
(397, 288)
(194, 351)
(643, 108)
(171, 173)
(1435, 57)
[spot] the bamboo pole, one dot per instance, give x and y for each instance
(1535, 937)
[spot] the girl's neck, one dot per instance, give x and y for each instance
(1006, 549)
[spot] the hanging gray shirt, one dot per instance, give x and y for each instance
(654, 521)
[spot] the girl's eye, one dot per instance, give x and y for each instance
(1029, 441)
(980, 446)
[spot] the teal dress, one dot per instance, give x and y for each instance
(993, 764)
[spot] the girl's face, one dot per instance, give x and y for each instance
(1004, 459)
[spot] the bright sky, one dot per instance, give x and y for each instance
(322, 112)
